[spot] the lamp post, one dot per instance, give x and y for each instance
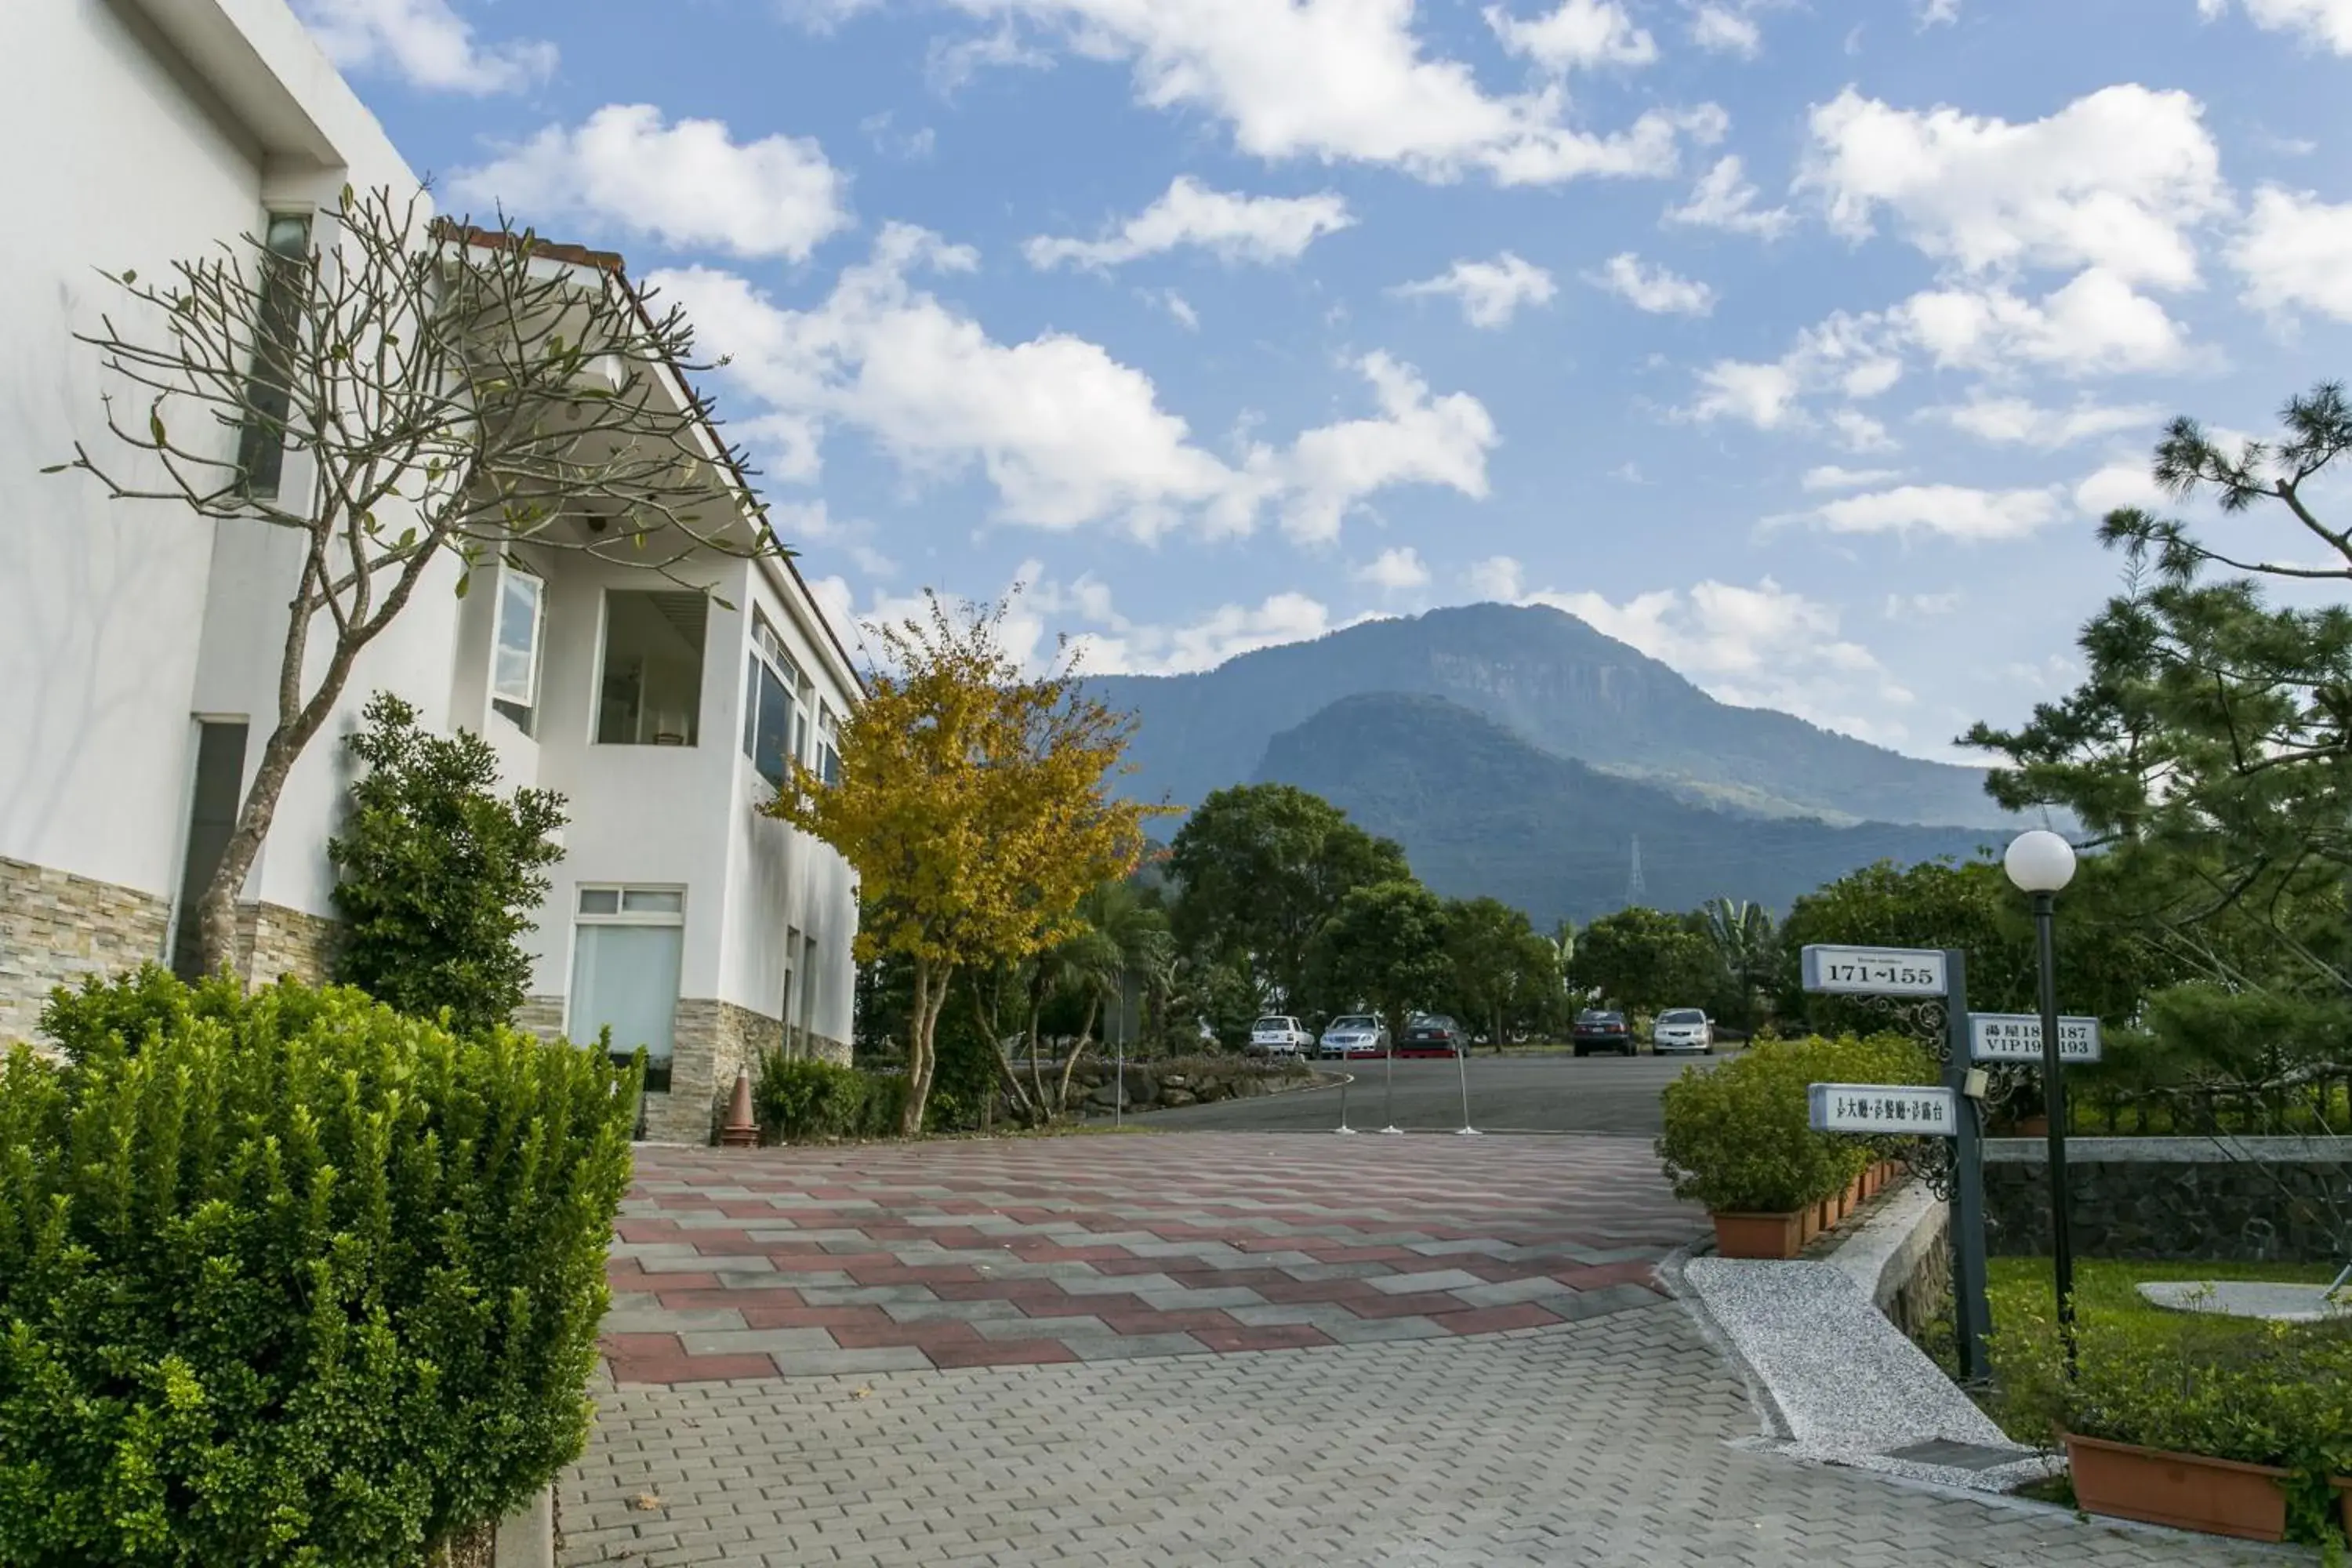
(2041, 863)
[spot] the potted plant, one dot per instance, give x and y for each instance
(1739, 1139)
(2197, 1423)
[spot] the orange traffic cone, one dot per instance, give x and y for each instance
(740, 1132)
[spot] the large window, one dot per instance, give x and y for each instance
(514, 656)
(627, 945)
(773, 715)
(652, 690)
(277, 324)
(828, 746)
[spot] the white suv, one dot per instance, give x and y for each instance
(1277, 1036)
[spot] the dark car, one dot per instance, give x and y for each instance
(1432, 1035)
(1599, 1031)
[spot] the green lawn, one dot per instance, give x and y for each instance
(2105, 1288)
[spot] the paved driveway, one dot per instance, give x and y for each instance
(893, 1257)
(1605, 1432)
(1525, 1094)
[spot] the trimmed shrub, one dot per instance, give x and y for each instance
(1739, 1137)
(294, 1279)
(797, 1100)
(438, 876)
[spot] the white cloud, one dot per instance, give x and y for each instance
(1725, 31)
(1760, 646)
(1394, 570)
(690, 184)
(1343, 79)
(2095, 325)
(1653, 288)
(1116, 644)
(2013, 421)
(801, 525)
(1581, 34)
(427, 44)
(1939, 12)
(2114, 181)
(2327, 23)
(1490, 292)
(2118, 484)
(1724, 199)
(1495, 577)
(2296, 252)
(1830, 477)
(1858, 432)
(1232, 228)
(1764, 396)
(1066, 435)
(1177, 306)
(1902, 606)
(951, 63)
(1956, 511)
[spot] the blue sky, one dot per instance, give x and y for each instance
(1798, 343)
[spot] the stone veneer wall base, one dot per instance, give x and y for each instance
(55, 928)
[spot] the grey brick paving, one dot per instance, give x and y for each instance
(1609, 1441)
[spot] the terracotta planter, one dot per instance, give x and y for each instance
(2030, 1127)
(1868, 1183)
(1774, 1236)
(2187, 1491)
(1829, 1207)
(1809, 1223)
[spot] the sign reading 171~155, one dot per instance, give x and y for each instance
(1874, 970)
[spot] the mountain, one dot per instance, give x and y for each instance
(1480, 811)
(1557, 684)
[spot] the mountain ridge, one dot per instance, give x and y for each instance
(1560, 686)
(1481, 811)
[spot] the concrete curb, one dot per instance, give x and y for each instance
(526, 1537)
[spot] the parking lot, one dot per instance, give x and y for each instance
(1508, 1093)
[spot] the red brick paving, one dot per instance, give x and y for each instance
(1007, 1228)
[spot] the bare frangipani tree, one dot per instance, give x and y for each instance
(454, 391)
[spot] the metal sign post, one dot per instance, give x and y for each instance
(1461, 1065)
(1949, 1110)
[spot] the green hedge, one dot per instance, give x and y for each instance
(1738, 1136)
(801, 1102)
(292, 1279)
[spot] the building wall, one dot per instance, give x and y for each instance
(163, 128)
(55, 928)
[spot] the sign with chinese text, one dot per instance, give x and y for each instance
(1921, 1110)
(1874, 970)
(2017, 1038)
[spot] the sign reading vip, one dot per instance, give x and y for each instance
(2017, 1038)
(1874, 970)
(1921, 1110)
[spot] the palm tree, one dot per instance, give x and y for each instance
(1119, 938)
(1745, 940)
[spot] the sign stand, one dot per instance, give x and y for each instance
(1971, 1310)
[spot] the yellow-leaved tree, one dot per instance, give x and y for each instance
(973, 803)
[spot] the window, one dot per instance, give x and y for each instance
(285, 269)
(627, 944)
(772, 704)
(828, 745)
(212, 817)
(808, 984)
(514, 653)
(652, 688)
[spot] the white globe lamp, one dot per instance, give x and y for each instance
(2038, 861)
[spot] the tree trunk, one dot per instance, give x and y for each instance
(931, 999)
(1086, 1034)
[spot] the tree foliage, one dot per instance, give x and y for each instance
(972, 802)
(1262, 868)
(2208, 753)
(1384, 944)
(452, 392)
(437, 875)
(1504, 971)
(1643, 959)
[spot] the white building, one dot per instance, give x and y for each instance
(140, 645)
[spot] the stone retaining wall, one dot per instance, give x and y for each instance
(2285, 1200)
(274, 940)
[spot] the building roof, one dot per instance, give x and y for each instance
(612, 261)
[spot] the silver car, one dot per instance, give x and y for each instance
(1683, 1030)
(1355, 1035)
